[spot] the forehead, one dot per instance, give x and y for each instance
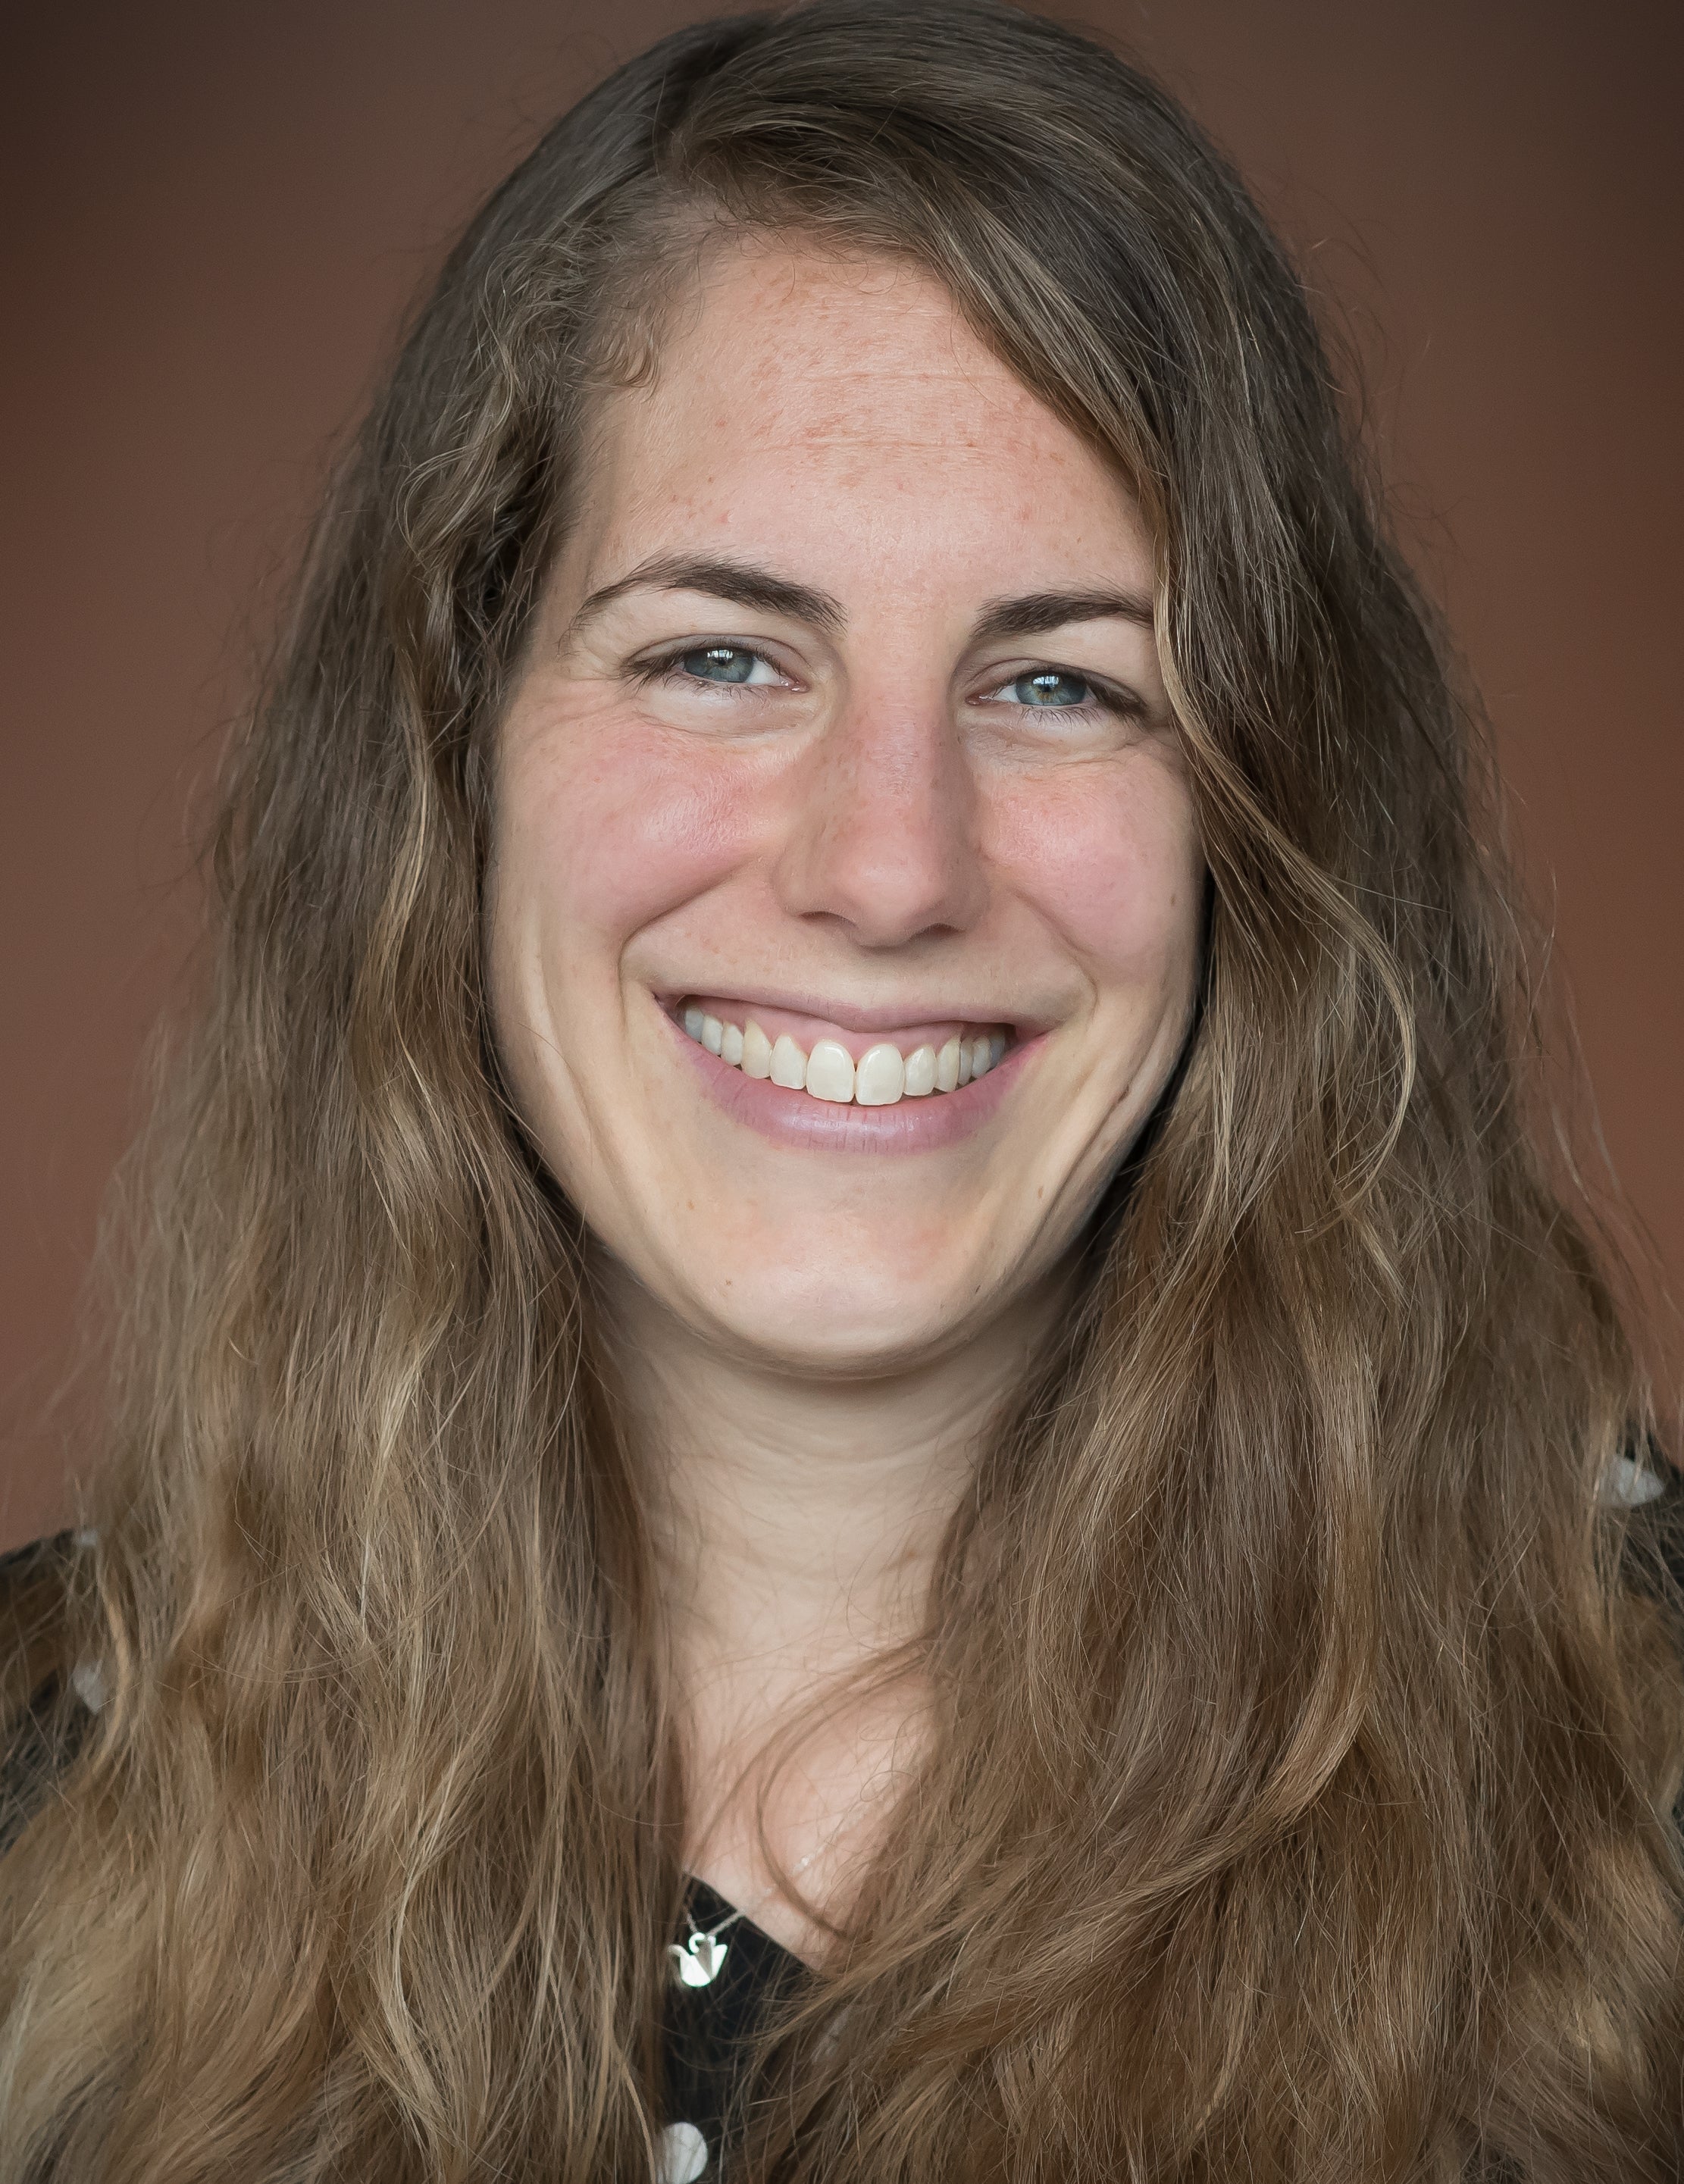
(789, 367)
(816, 344)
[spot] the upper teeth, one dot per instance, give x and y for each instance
(881, 1075)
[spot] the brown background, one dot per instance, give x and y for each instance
(215, 213)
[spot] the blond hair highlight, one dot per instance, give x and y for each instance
(1298, 1803)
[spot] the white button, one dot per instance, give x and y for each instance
(682, 2154)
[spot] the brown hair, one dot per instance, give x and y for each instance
(1298, 1801)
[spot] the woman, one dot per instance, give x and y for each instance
(860, 1437)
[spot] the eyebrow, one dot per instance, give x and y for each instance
(739, 581)
(1042, 610)
(760, 590)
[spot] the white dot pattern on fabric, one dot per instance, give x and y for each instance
(682, 2154)
(87, 1680)
(1628, 1485)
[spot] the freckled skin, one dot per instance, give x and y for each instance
(872, 823)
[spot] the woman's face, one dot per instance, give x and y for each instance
(839, 770)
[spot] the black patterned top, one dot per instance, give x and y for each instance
(723, 1971)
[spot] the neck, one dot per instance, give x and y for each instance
(798, 1518)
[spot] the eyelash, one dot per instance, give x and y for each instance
(1106, 698)
(1121, 704)
(664, 666)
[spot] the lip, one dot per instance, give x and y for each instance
(797, 1120)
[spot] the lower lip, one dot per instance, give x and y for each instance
(910, 1126)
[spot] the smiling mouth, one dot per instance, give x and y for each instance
(846, 1069)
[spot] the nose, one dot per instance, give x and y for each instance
(882, 834)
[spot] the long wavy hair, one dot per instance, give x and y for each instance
(1298, 1801)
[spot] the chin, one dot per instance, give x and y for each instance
(865, 1324)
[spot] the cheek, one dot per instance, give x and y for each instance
(1109, 857)
(605, 825)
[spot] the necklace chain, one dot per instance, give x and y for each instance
(699, 1958)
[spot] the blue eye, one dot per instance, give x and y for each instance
(1050, 687)
(719, 663)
